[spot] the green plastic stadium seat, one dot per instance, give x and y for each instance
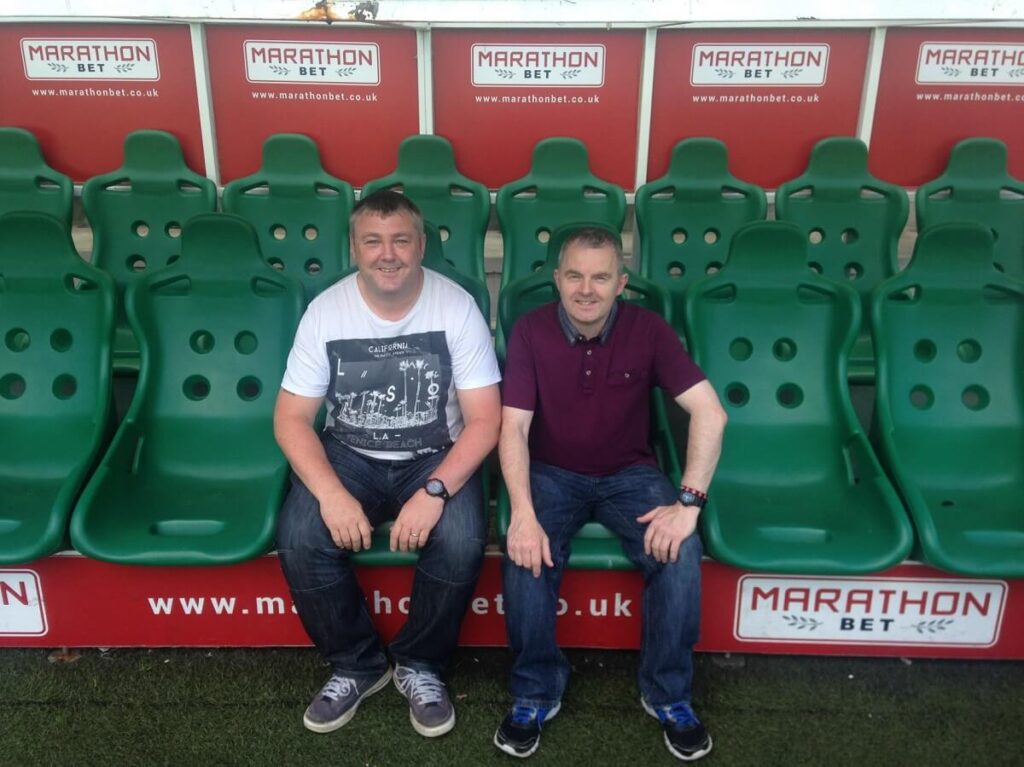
(977, 187)
(798, 488)
(27, 182)
(299, 211)
(193, 476)
(137, 213)
(458, 206)
(594, 547)
(433, 259)
(686, 219)
(559, 189)
(853, 222)
(56, 319)
(949, 331)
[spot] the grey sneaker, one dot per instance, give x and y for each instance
(336, 703)
(430, 708)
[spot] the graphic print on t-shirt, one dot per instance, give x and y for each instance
(391, 394)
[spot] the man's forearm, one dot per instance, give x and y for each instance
(464, 457)
(514, 452)
(302, 447)
(703, 448)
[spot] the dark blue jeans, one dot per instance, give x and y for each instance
(564, 501)
(323, 585)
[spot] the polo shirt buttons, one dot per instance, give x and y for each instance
(627, 375)
(589, 352)
(588, 372)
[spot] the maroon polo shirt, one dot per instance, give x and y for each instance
(591, 398)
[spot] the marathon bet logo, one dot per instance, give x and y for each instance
(559, 66)
(312, 63)
(90, 58)
(889, 611)
(21, 604)
(970, 64)
(752, 65)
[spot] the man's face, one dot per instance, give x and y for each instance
(588, 282)
(388, 251)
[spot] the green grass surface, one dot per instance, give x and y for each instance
(227, 707)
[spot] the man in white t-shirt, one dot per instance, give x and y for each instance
(405, 361)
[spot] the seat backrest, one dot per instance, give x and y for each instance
(949, 337)
(852, 220)
(773, 337)
(538, 288)
(27, 182)
(558, 190)
(459, 207)
(434, 259)
(976, 186)
(137, 212)
(686, 219)
(56, 321)
(215, 329)
(299, 211)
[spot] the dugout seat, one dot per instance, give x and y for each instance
(459, 207)
(977, 187)
(559, 189)
(594, 547)
(27, 182)
(193, 476)
(686, 219)
(798, 488)
(299, 211)
(57, 321)
(853, 222)
(949, 332)
(137, 213)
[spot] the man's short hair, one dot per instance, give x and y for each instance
(594, 237)
(385, 203)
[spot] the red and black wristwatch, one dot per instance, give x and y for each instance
(690, 497)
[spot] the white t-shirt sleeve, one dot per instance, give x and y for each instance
(307, 372)
(474, 363)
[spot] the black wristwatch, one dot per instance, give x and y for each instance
(436, 489)
(690, 497)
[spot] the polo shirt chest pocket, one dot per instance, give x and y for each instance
(627, 377)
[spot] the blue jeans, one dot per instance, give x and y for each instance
(564, 501)
(323, 585)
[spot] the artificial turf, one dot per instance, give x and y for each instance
(228, 707)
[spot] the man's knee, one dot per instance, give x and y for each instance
(454, 558)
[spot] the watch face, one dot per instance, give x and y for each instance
(689, 499)
(434, 487)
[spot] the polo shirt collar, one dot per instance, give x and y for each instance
(574, 337)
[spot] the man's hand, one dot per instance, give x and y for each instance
(415, 521)
(528, 545)
(343, 515)
(667, 528)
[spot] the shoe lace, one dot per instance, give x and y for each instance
(337, 687)
(424, 687)
(679, 714)
(523, 715)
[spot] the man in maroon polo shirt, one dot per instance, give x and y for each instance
(574, 447)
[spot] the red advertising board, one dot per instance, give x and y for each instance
(769, 94)
(910, 610)
(80, 88)
(497, 93)
(939, 86)
(353, 90)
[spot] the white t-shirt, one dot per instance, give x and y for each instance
(391, 385)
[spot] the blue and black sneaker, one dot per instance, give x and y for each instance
(519, 733)
(685, 736)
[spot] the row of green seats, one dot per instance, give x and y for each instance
(684, 220)
(193, 476)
